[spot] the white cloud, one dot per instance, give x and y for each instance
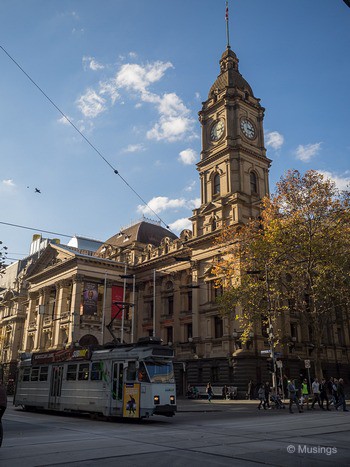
(197, 95)
(63, 121)
(8, 183)
(188, 156)
(180, 224)
(134, 148)
(161, 203)
(90, 62)
(306, 153)
(132, 54)
(109, 88)
(191, 186)
(137, 78)
(91, 104)
(342, 181)
(274, 139)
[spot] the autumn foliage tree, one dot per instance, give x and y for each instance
(296, 256)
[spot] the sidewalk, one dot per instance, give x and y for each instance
(216, 405)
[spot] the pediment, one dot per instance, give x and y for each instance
(51, 256)
(209, 208)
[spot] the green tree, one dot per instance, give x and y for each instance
(296, 255)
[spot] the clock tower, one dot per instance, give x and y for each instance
(233, 168)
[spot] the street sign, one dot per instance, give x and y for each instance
(279, 363)
(263, 352)
(307, 364)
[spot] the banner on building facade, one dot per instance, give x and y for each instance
(117, 296)
(90, 297)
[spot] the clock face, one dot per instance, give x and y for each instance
(248, 128)
(217, 130)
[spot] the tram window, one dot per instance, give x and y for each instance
(26, 374)
(96, 373)
(44, 370)
(83, 373)
(72, 372)
(34, 376)
(142, 373)
(131, 371)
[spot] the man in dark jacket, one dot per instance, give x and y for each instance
(341, 396)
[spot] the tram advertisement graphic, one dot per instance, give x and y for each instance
(90, 297)
(131, 401)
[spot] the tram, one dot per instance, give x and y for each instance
(126, 380)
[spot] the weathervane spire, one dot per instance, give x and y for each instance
(227, 30)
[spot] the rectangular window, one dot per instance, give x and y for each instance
(44, 370)
(83, 373)
(189, 333)
(170, 305)
(294, 331)
(131, 371)
(72, 372)
(169, 334)
(34, 376)
(96, 373)
(26, 374)
(189, 300)
(218, 327)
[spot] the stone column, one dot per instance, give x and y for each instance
(29, 318)
(74, 326)
(43, 300)
(195, 302)
(62, 288)
(106, 319)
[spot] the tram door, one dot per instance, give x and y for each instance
(55, 387)
(117, 392)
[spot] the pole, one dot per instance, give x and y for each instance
(271, 334)
(227, 30)
(133, 309)
(154, 303)
(124, 293)
(104, 308)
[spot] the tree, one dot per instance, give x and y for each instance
(296, 255)
(3, 253)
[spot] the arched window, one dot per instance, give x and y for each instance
(216, 184)
(253, 183)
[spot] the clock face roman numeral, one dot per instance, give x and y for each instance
(217, 130)
(247, 128)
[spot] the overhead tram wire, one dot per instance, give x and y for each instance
(84, 137)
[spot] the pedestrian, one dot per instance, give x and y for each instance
(224, 392)
(250, 390)
(335, 392)
(329, 385)
(316, 393)
(341, 396)
(323, 394)
(293, 398)
(267, 394)
(305, 394)
(209, 391)
(261, 397)
(3, 405)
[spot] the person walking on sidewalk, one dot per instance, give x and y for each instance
(305, 394)
(341, 396)
(209, 391)
(316, 393)
(323, 393)
(292, 394)
(261, 397)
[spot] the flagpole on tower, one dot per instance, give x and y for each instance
(227, 29)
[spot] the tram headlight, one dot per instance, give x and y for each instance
(172, 399)
(156, 400)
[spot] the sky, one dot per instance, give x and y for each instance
(132, 76)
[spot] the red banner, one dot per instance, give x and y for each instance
(117, 296)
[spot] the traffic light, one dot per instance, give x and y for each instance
(270, 365)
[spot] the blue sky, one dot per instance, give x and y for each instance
(131, 75)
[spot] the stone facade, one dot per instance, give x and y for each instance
(168, 281)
